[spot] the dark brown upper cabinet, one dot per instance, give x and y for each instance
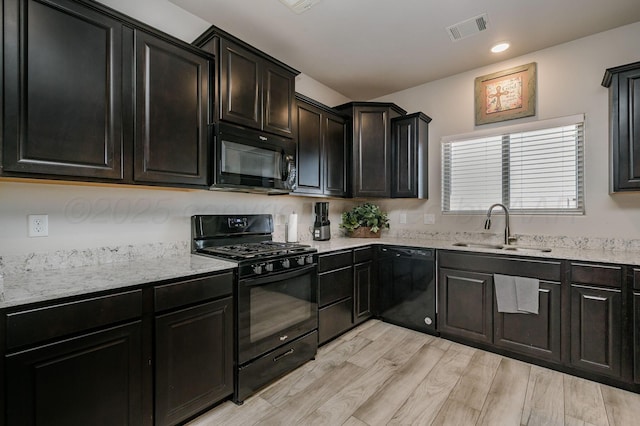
(171, 135)
(63, 90)
(410, 154)
(92, 95)
(624, 114)
(322, 149)
(371, 147)
(254, 89)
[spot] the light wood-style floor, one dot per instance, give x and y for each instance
(380, 374)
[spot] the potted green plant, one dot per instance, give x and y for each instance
(364, 221)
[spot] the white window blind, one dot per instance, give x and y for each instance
(533, 168)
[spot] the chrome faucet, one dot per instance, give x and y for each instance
(508, 239)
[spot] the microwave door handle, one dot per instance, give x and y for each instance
(278, 277)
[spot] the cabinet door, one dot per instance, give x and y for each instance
(466, 304)
(63, 91)
(171, 119)
(278, 86)
(404, 170)
(362, 292)
(595, 329)
(240, 85)
(194, 364)
(371, 152)
(626, 131)
(93, 379)
(535, 335)
(636, 337)
(309, 149)
(335, 156)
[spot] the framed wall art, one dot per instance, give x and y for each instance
(506, 95)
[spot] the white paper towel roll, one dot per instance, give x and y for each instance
(292, 228)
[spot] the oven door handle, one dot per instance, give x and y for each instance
(277, 277)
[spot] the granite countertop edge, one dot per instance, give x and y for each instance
(32, 287)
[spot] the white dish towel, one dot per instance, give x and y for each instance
(516, 295)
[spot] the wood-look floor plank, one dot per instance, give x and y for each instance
(473, 387)
(352, 421)
(571, 421)
(359, 330)
(407, 347)
(506, 396)
(307, 375)
(230, 414)
(456, 413)
(583, 401)
(422, 406)
(342, 405)
(379, 408)
(368, 356)
(300, 405)
(623, 408)
(544, 403)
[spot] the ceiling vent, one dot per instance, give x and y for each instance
(468, 28)
(299, 6)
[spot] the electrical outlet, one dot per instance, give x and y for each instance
(38, 225)
(429, 219)
(403, 218)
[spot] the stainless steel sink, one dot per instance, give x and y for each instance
(478, 245)
(529, 249)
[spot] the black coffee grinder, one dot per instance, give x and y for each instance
(321, 226)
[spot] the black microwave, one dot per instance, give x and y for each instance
(252, 161)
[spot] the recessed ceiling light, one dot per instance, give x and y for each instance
(500, 47)
(299, 6)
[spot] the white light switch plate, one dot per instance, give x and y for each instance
(429, 219)
(403, 218)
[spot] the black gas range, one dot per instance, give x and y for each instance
(276, 310)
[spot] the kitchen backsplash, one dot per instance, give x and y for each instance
(15, 264)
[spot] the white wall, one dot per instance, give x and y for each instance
(569, 77)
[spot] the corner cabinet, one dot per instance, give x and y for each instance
(371, 165)
(410, 156)
(322, 149)
(624, 103)
(63, 90)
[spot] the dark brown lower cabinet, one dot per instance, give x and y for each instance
(636, 337)
(333, 320)
(194, 360)
(596, 329)
(536, 335)
(92, 379)
(466, 304)
(362, 291)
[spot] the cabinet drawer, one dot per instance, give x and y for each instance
(186, 292)
(362, 254)
(599, 275)
(334, 260)
(636, 279)
(335, 285)
(334, 320)
(29, 327)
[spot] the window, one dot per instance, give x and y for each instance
(530, 168)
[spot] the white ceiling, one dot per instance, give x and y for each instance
(368, 48)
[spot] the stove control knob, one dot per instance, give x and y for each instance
(268, 267)
(286, 264)
(300, 261)
(309, 260)
(257, 269)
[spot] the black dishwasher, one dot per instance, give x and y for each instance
(407, 287)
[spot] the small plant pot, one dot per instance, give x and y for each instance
(364, 232)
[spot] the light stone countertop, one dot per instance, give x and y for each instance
(30, 287)
(37, 286)
(577, 254)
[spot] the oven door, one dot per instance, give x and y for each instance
(274, 310)
(249, 160)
